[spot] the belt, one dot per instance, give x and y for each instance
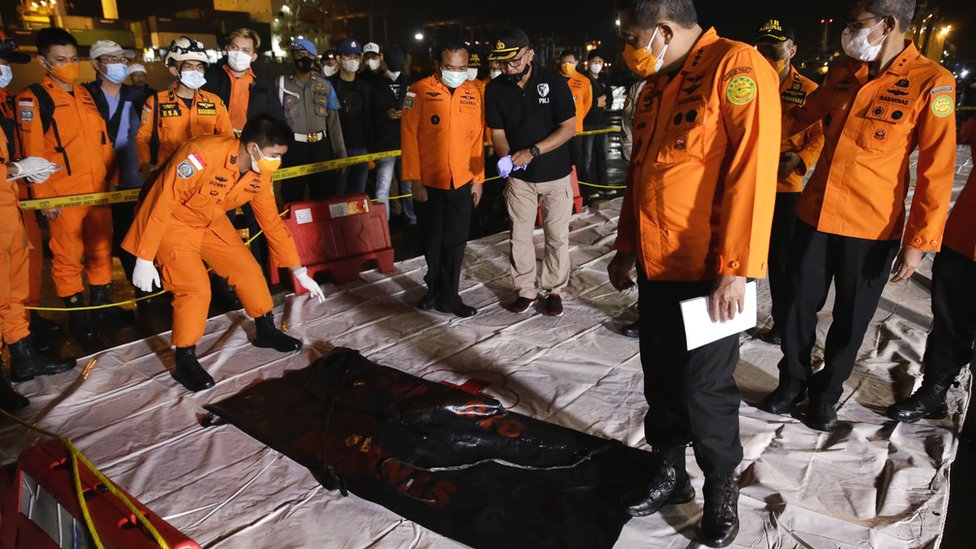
(309, 137)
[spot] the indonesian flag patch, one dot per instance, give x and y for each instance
(197, 161)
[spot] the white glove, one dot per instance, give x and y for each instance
(301, 274)
(505, 166)
(145, 275)
(35, 169)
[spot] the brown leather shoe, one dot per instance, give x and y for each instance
(553, 306)
(520, 305)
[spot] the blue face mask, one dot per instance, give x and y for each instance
(116, 72)
(192, 79)
(6, 75)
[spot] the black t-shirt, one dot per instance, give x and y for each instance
(356, 99)
(596, 118)
(387, 94)
(529, 115)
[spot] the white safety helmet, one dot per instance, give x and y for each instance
(185, 49)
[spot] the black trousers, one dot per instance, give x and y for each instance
(445, 221)
(950, 343)
(859, 270)
(122, 217)
(576, 153)
(594, 158)
(691, 395)
(320, 185)
(780, 242)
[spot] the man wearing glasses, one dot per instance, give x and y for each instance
(532, 116)
(119, 105)
(877, 105)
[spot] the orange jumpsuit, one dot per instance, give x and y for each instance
(582, 91)
(871, 127)
(808, 143)
(182, 223)
(14, 248)
(207, 115)
(82, 232)
(702, 184)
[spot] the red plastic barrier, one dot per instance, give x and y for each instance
(39, 508)
(339, 236)
(577, 198)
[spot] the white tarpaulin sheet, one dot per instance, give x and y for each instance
(875, 484)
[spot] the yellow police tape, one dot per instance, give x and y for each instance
(76, 458)
(131, 195)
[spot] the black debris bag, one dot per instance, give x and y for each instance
(455, 462)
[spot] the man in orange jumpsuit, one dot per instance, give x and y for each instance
(695, 220)
(441, 135)
(877, 104)
(798, 154)
(25, 362)
(950, 343)
(59, 120)
(582, 90)
(44, 329)
(182, 223)
(173, 116)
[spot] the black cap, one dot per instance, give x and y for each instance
(8, 51)
(329, 55)
(775, 30)
(395, 59)
(509, 42)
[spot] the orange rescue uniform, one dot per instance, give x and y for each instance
(182, 223)
(872, 126)
(14, 246)
(702, 183)
(582, 91)
(177, 123)
(240, 96)
(77, 141)
(441, 134)
(808, 143)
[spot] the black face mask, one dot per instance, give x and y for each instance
(305, 64)
(516, 78)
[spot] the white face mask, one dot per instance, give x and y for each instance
(6, 75)
(453, 79)
(192, 79)
(494, 73)
(329, 71)
(857, 45)
(595, 68)
(472, 74)
(238, 61)
(392, 75)
(350, 65)
(373, 64)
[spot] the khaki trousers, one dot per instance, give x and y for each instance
(523, 200)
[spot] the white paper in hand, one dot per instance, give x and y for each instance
(699, 328)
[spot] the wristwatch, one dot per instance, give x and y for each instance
(535, 151)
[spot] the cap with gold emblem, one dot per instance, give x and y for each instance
(775, 30)
(508, 44)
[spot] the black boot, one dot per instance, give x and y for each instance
(773, 335)
(45, 332)
(928, 402)
(270, 337)
(189, 372)
(683, 490)
(26, 363)
(10, 399)
(81, 327)
(117, 315)
(821, 415)
(782, 400)
(649, 499)
(631, 330)
(720, 517)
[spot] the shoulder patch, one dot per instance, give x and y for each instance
(943, 106)
(197, 160)
(26, 114)
(741, 90)
(185, 170)
(736, 71)
(943, 89)
(408, 100)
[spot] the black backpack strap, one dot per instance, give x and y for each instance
(154, 138)
(45, 107)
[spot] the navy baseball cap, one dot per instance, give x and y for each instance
(350, 46)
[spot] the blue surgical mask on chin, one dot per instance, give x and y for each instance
(192, 79)
(116, 72)
(6, 75)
